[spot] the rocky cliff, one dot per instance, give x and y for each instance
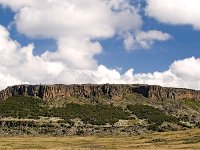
(110, 91)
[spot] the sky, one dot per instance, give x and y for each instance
(100, 41)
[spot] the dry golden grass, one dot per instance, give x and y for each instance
(189, 139)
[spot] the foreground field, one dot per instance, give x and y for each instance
(189, 139)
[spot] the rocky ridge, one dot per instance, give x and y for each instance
(111, 91)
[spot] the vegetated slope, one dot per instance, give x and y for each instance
(34, 108)
(35, 116)
(96, 109)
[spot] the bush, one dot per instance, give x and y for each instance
(21, 107)
(154, 116)
(93, 114)
(28, 107)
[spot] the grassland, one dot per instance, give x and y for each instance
(189, 139)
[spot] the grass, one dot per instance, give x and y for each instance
(155, 141)
(191, 140)
(194, 104)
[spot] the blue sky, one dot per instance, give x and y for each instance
(180, 43)
(158, 58)
(6, 18)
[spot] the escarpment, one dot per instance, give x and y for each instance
(158, 92)
(110, 91)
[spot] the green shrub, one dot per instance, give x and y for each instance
(194, 104)
(28, 107)
(21, 107)
(93, 114)
(154, 116)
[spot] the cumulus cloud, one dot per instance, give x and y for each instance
(7, 80)
(144, 39)
(82, 21)
(175, 12)
(18, 65)
(77, 27)
(181, 73)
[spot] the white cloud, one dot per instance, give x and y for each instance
(175, 12)
(75, 53)
(182, 73)
(77, 26)
(18, 65)
(7, 80)
(129, 42)
(144, 39)
(187, 68)
(66, 18)
(17, 4)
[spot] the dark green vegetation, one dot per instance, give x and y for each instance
(38, 114)
(154, 116)
(93, 114)
(33, 108)
(21, 107)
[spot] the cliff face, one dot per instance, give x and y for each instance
(62, 91)
(109, 91)
(158, 92)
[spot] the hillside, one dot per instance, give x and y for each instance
(96, 109)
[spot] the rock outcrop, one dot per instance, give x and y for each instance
(110, 91)
(158, 92)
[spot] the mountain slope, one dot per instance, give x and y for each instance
(96, 109)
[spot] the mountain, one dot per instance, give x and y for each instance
(111, 91)
(92, 109)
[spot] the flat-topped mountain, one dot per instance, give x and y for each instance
(110, 91)
(93, 109)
